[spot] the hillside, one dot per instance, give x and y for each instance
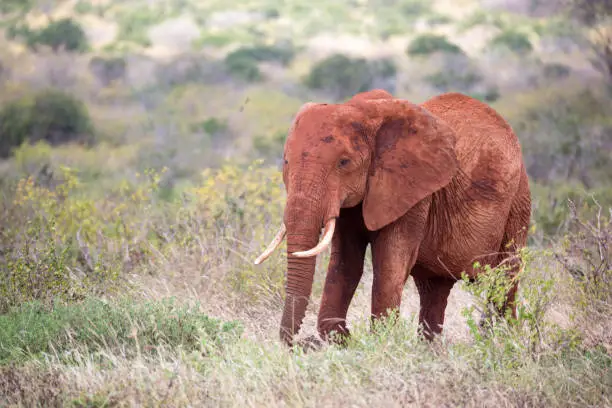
(140, 151)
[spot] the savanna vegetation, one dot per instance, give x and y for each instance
(140, 145)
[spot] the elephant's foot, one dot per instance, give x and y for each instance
(310, 343)
(336, 333)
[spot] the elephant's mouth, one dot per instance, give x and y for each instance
(328, 233)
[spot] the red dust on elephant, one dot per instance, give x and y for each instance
(431, 187)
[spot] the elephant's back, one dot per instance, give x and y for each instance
(477, 125)
(487, 148)
(470, 213)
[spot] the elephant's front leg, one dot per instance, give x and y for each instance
(394, 253)
(344, 272)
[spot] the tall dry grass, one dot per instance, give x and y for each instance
(199, 249)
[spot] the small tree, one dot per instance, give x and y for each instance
(514, 41)
(427, 44)
(109, 69)
(64, 33)
(343, 76)
(595, 16)
(50, 115)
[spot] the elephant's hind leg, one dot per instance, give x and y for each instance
(515, 238)
(433, 295)
(343, 273)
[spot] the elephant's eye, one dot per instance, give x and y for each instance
(343, 162)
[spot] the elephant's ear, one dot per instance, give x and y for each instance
(414, 156)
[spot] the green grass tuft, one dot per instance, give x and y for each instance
(32, 330)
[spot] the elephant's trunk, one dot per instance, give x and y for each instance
(303, 219)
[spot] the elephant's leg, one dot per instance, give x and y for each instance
(394, 253)
(433, 294)
(515, 238)
(343, 273)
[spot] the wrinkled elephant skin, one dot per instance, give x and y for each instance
(431, 187)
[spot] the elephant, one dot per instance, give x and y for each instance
(432, 188)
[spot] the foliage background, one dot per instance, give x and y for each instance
(140, 147)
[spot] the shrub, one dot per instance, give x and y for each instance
(565, 136)
(57, 241)
(84, 7)
(513, 40)
(243, 62)
(259, 53)
(507, 342)
(243, 66)
(50, 115)
(585, 254)
(10, 6)
(343, 76)
(133, 26)
(108, 69)
(212, 126)
(551, 211)
(64, 33)
(556, 71)
(427, 44)
(15, 125)
(98, 327)
(454, 80)
(270, 145)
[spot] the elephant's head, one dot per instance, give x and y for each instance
(385, 153)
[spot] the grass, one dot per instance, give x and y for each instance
(121, 286)
(155, 343)
(96, 327)
(390, 366)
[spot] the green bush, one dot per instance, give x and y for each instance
(84, 7)
(64, 33)
(58, 241)
(454, 80)
(33, 330)
(243, 67)
(15, 125)
(270, 145)
(551, 204)
(259, 53)
(15, 30)
(513, 40)
(133, 26)
(564, 133)
(344, 76)
(212, 126)
(10, 6)
(243, 62)
(427, 44)
(50, 115)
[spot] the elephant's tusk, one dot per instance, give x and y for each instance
(273, 245)
(324, 243)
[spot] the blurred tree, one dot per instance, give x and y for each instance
(243, 62)
(10, 6)
(108, 69)
(513, 40)
(427, 44)
(342, 76)
(568, 136)
(596, 18)
(50, 115)
(64, 33)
